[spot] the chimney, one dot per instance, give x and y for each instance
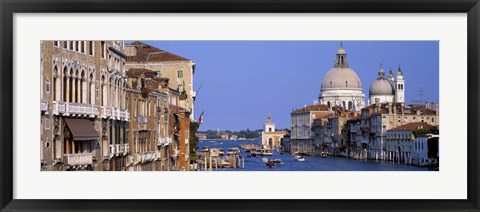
(437, 111)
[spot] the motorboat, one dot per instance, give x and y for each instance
(278, 161)
(300, 158)
(270, 164)
(264, 160)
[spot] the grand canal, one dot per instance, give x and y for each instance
(311, 163)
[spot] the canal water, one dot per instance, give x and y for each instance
(311, 163)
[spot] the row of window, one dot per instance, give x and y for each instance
(84, 47)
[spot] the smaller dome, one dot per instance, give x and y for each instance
(381, 87)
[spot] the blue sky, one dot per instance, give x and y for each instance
(243, 81)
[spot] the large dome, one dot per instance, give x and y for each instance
(341, 78)
(381, 87)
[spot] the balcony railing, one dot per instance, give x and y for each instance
(142, 119)
(112, 150)
(119, 149)
(71, 108)
(43, 105)
(78, 159)
(161, 141)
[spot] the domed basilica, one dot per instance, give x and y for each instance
(342, 87)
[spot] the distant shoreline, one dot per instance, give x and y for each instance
(219, 139)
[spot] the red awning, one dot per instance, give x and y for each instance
(81, 129)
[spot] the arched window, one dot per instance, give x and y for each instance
(102, 92)
(328, 103)
(350, 105)
(70, 86)
(54, 89)
(92, 89)
(346, 84)
(47, 86)
(330, 84)
(83, 88)
(65, 80)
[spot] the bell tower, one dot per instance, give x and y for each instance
(269, 125)
(399, 87)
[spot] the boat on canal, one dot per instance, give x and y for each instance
(298, 157)
(233, 151)
(270, 164)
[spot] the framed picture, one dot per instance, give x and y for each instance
(255, 106)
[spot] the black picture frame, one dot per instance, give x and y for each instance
(10, 7)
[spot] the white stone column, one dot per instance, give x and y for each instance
(67, 90)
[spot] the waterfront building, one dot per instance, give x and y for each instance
(83, 114)
(302, 137)
(270, 137)
(224, 135)
(177, 69)
(385, 90)
(380, 117)
(341, 86)
(399, 141)
(148, 125)
(425, 148)
(201, 136)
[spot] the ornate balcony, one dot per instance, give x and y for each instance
(142, 119)
(78, 159)
(44, 105)
(75, 109)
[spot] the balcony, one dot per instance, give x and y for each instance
(161, 141)
(112, 150)
(119, 150)
(142, 119)
(78, 159)
(75, 109)
(43, 105)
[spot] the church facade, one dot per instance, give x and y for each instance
(342, 87)
(270, 137)
(388, 90)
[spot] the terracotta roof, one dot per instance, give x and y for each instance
(151, 84)
(312, 108)
(146, 52)
(136, 72)
(323, 115)
(412, 126)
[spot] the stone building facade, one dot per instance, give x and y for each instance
(177, 69)
(82, 109)
(98, 115)
(302, 136)
(271, 138)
